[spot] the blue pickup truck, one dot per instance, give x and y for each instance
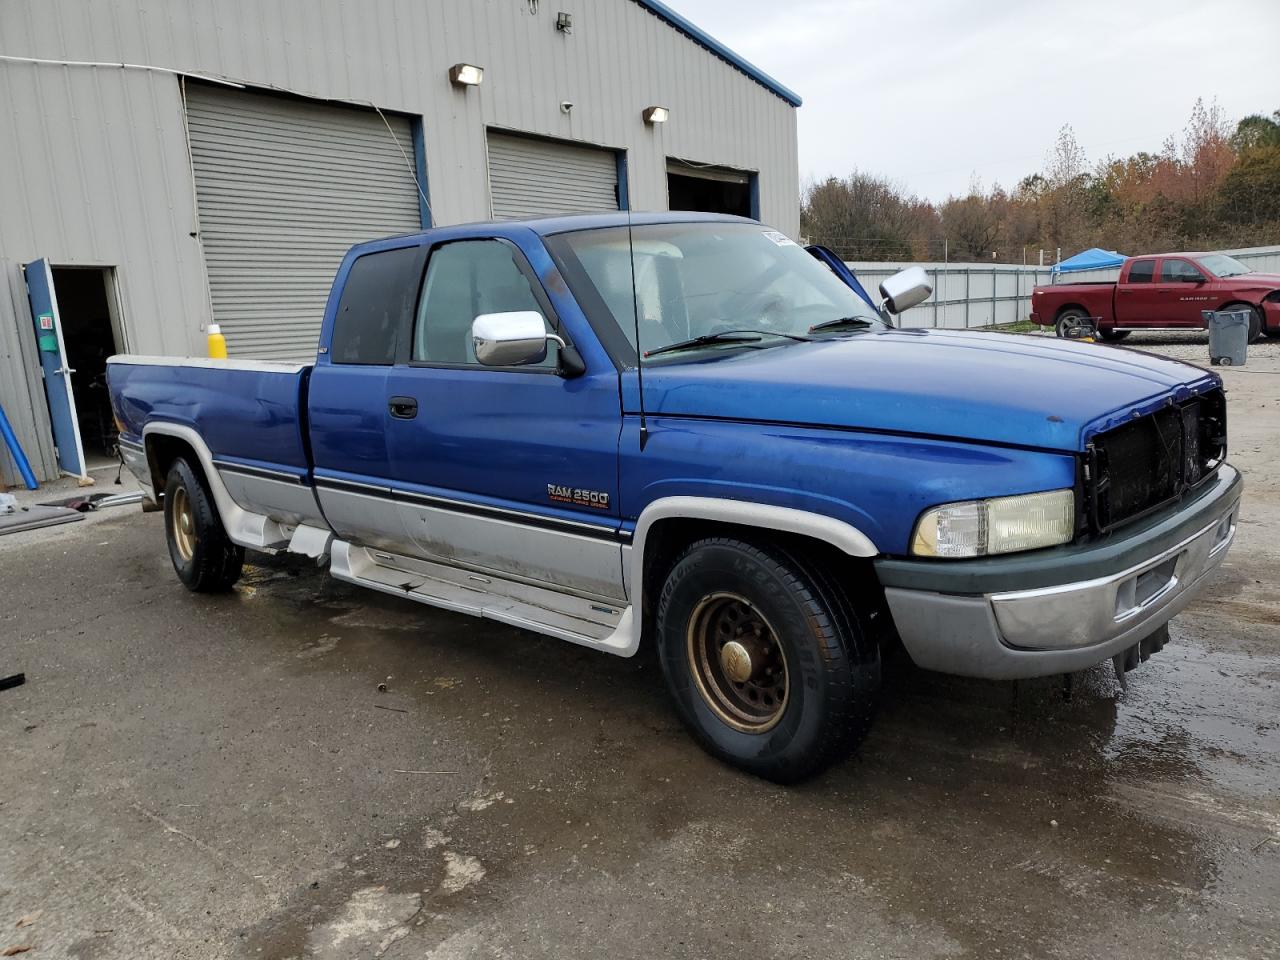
(687, 430)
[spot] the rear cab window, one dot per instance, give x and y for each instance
(376, 306)
(1142, 271)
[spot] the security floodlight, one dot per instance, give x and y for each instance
(655, 115)
(466, 75)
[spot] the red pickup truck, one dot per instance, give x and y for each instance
(1163, 291)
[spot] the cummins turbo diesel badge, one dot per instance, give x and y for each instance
(578, 497)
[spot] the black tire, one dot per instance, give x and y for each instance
(1255, 319)
(1113, 336)
(203, 556)
(832, 665)
(1069, 317)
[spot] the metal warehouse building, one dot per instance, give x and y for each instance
(170, 164)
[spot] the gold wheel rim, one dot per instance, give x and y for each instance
(737, 663)
(184, 524)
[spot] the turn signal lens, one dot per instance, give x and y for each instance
(976, 528)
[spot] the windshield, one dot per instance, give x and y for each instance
(700, 279)
(1220, 265)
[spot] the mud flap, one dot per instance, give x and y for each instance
(1140, 652)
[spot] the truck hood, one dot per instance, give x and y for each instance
(1015, 390)
(1263, 280)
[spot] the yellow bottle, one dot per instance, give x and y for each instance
(217, 342)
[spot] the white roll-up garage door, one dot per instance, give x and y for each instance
(540, 178)
(284, 187)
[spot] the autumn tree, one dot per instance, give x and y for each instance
(1210, 186)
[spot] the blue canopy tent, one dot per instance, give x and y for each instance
(1095, 258)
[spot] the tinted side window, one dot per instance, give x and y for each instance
(1142, 271)
(377, 303)
(1179, 271)
(465, 279)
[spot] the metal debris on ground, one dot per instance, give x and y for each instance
(95, 501)
(17, 680)
(33, 518)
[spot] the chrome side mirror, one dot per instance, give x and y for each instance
(511, 339)
(905, 289)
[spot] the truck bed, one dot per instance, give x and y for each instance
(250, 412)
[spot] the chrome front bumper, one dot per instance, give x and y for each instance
(1065, 627)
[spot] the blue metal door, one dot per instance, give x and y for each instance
(57, 375)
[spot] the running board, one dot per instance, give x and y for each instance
(591, 623)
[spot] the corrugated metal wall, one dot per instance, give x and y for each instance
(95, 172)
(96, 162)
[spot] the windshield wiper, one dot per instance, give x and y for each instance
(722, 336)
(842, 322)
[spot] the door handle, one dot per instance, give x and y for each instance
(403, 408)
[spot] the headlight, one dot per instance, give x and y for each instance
(975, 528)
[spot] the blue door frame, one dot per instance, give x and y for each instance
(57, 375)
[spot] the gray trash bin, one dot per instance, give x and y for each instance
(1228, 336)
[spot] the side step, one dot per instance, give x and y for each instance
(602, 625)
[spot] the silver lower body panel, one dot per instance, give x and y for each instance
(1058, 629)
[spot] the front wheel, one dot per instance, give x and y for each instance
(1113, 336)
(203, 556)
(765, 659)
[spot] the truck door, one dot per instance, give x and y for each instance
(347, 411)
(1180, 293)
(1134, 301)
(512, 470)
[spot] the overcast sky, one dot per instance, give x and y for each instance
(930, 93)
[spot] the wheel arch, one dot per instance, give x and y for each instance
(165, 441)
(1071, 306)
(666, 527)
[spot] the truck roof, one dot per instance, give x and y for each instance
(1183, 253)
(546, 226)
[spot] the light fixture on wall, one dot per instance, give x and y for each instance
(466, 75)
(564, 23)
(654, 115)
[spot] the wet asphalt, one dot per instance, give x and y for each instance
(192, 776)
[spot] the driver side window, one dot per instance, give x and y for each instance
(467, 278)
(1179, 271)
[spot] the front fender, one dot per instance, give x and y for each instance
(873, 483)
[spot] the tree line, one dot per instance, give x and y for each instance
(1215, 186)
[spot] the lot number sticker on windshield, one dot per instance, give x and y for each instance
(781, 239)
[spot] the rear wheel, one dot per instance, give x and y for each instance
(765, 659)
(203, 556)
(1067, 319)
(1255, 319)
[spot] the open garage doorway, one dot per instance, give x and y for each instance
(711, 189)
(88, 310)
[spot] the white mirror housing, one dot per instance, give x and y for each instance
(905, 289)
(511, 339)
